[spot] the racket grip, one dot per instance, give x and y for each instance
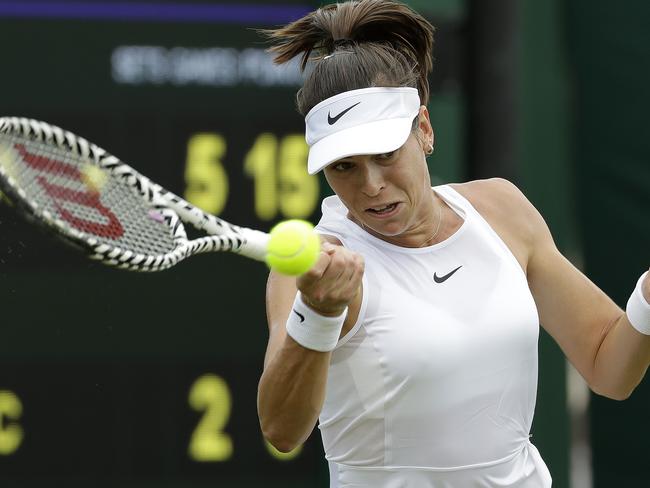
(255, 244)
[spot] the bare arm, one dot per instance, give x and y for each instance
(292, 387)
(591, 329)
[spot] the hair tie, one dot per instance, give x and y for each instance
(343, 42)
(340, 43)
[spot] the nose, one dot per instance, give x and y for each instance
(372, 180)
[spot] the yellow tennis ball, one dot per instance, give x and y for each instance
(94, 177)
(293, 247)
(8, 158)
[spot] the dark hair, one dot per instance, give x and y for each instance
(357, 44)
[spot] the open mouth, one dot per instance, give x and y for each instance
(383, 210)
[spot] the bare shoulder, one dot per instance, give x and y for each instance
(509, 213)
(493, 195)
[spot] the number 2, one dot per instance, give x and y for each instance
(210, 394)
(11, 434)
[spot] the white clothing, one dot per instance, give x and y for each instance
(435, 385)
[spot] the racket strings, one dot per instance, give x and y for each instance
(59, 183)
(94, 199)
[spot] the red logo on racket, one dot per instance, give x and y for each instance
(60, 194)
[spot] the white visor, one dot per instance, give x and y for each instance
(367, 121)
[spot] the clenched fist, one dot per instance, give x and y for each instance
(333, 282)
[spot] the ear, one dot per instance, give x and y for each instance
(426, 130)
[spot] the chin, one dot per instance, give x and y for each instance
(390, 229)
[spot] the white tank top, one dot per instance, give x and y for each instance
(435, 385)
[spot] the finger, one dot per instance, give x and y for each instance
(323, 284)
(319, 268)
(355, 277)
(338, 265)
(336, 280)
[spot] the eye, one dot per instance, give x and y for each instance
(342, 166)
(386, 156)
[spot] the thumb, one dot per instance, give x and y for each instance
(319, 268)
(328, 247)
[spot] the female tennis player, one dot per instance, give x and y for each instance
(413, 340)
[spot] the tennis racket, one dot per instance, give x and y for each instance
(93, 200)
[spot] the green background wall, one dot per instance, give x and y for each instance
(610, 54)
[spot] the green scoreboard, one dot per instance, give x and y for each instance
(110, 378)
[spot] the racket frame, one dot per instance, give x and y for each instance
(174, 210)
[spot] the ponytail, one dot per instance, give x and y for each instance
(357, 44)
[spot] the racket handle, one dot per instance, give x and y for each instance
(255, 245)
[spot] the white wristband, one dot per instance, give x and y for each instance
(638, 309)
(312, 330)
